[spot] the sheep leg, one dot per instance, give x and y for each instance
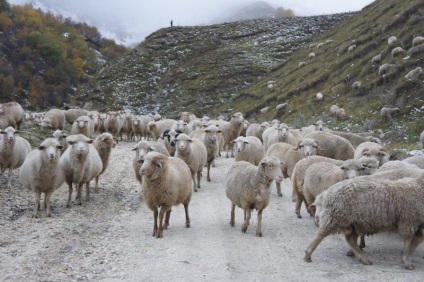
(246, 221)
(79, 192)
(163, 210)
(87, 191)
(37, 204)
(320, 235)
(199, 175)
(352, 240)
(232, 222)
(407, 242)
(418, 239)
(299, 201)
(278, 185)
(187, 215)
(294, 197)
(47, 199)
(9, 179)
(70, 194)
(155, 222)
(259, 227)
(361, 245)
(193, 177)
(208, 177)
(167, 216)
(96, 187)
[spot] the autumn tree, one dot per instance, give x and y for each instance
(284, 13)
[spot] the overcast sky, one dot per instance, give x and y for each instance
(135, 19)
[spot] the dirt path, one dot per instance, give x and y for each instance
(109, 238)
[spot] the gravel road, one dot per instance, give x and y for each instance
(109, 238)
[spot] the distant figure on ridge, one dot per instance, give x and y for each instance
(172, 23)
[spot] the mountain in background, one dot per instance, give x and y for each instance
(249, 11)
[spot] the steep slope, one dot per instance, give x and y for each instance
(199, 68)
(334, 69)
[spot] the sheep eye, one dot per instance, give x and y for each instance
(301, 146)
(315, 146)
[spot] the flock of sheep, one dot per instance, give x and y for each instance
(345, 180)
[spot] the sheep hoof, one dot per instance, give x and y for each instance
(350, 253)
(294, 200)
(307, 259)
(409, 267)
(195, 190)
(280, 195)
(298, 215)
(244, 229)
(232, 225)
(366, 261)
(259, 234)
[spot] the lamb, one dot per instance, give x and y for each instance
(170, 136)
(356, 85)
(319, 96)
(248, 149)
(194, 153)
(397, 51)
(81, 163)
(414, 73)
(256, 129)
(389, 112)
(72, 114)
(41, 172)
(281, 106)
(113, 124)
(417, 41)
(248, 187)
(165, 183)
(104, 144)
(395, 205)
(13, 150)
(156, 128)
(11, 114)
(351, 48)
(298, 177)
(302, 64)
(54, 119)
(356, 139)
(416, 160)
(61, 138)
(289, 156)
(332, 146)
(392, 40)
(372, 149)
(141, 149)
(376, 59)
(83, 125)
(385, 68)
(186, 116)
(231, 130)
(320, 176)
(311, 55)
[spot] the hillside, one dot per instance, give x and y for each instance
(199, 68)
(334, 70)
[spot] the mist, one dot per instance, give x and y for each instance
(130, 21)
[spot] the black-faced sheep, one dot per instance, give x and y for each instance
(11, 114)
(41, 172)
(169, 136)
(248, 187)
(13, 150)
(194, 153)
(365, 206)
(165, 183)
(157, 128)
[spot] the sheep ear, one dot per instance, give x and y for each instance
(60, 147)
(71, 142)
(134, 149)
(219, 131)
(41, 148)
(2, 132)
(246, 142)
(233, 141)
(343, 167)
(90, 141)
(190, 140)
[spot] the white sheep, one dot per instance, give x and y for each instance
(183, 126)
(54, 119)
(113, 124)
(104, 144)
(397, 51)
(141, 149)
(311, 55)
(356, 139)
(392, 40)
(320, 45)
(281, 106)
(126, 128)
(81, 163)
(416, 160)
(302, 64)
(13, 150)
(83, 125)
(385, 68)
(279, 134)
(356, 85)
(41, 172)
(194, 153)
(72, 114)
(328, 41)
(95, 117)
(414, 73)
(157, 128)
(370, 165)
(231, 130)
(417, 41)
(248, 187)
(376, 59)
(11, 114)
(333, 109)
(419, 49)
(61, 138)
(320, 176)
(290, 155)
(264, 110)
(389, 112)
(186, 116)
(248, 149)
(319, 96)
(256, 129)
(332, 146)
(365, 206)
(165, 183)
(378, 133)
(341, 113)
(372, 149)
(351, 48)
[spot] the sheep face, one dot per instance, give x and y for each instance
(183, 143)
(81, 122)
(319, 125)
(272, 168)
(94, 118)
(370, 165)
(51, 148)
(171, 135)
(80, 144)
(182, 125)
(283, 131)
(380, 155)
(308, 147)
(212, 132)
(10, 133)
(237, 118)
(352, 169)
(240, 144)
(141, 150)
(152, 165)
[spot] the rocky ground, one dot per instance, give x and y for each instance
(109, 238)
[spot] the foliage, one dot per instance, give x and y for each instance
(44, 58)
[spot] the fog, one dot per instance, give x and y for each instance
(130, 21)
